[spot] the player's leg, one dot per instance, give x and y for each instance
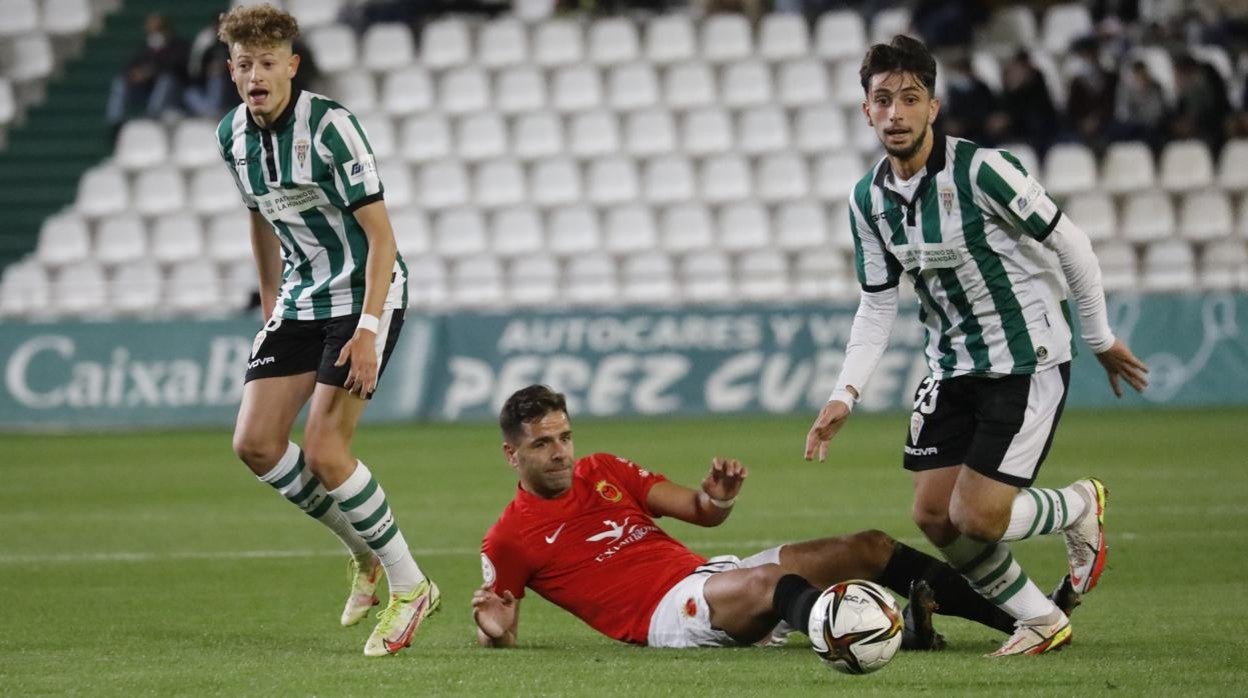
(742, 601)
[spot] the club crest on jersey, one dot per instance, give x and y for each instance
(609, 492)
(691, 607)
(946, 200)
(301, 150)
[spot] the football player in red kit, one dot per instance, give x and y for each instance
(581, 533)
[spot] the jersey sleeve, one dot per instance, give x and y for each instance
(1004, 188)
(230, 165)
(503, 565)
(877, 269)
(351, 158)
(635, 479)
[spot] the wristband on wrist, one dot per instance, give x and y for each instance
(843, 395)
(372, 323)
(722, 503)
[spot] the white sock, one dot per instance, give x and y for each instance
(364, 503)
(1038, 512)
(996, 575)
(298, 485)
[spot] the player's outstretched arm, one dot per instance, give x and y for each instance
(709, 506)
(1121, 364)
(497, 617)
(830, 420)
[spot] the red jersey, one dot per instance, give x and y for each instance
(594, 550)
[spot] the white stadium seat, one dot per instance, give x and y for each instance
(668, 179)
(762, 275)
(8, 105)
(314, 13)
(803, 82)
(823, 274)
(193, 287)
(725, 178)
(63, 239)
(379, 130)
(1225, 265)
(516, 231)
(558, 42)
(649, 132)
(136, 288)
(31, 57)
(1169, 265)
(1094, 213)
(820, 128)
(706, 277)
(746, 83)
(847, 85)
(726, 38)
(574, 231)
(227, 237)
(386, 46)
(1147, 216)
(25, 290)
(986, 67)
(503, 42)
(142, 143)
(840, 35)
(411, 232)
(425, 137)
(520, 89)
(762, 130)
(1128, 167)
(533, 280)
(335, 47)
(800, 225)
(1069, 168)
(66, 18)
(18, 17)
(80, 289)
(686, 227)
(1205, 215)
(591, 280)
(356, 87)
(1232, 172)
(1063, 24)
(555, 182)
(159, 190)
(706, 131)
(689, 85)
(177, 237)
(632, 86)
(532, 10)
(1008, 28)
(123, 238)
(648, 277)
(464, 89)
(406, 90)
(537, 135)
(195, 144)
(213, 190)
(1185, 166)
(781, 177)
(836, 174)
(888, 23)
(1241, 226)
(670, 39)
(477, 281)
(613, 180)
(426, 282)
(593, 134)
(839, 234)
(442, 184)
(481, 136)
(629, 228)
(499, 183)
(743, 226)
(396, 177)
(459, 232)
(445, 43)
(576, 88)
(783, 36)
(612, 41)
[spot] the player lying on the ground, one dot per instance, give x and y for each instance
(581, 533)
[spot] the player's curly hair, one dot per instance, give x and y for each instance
(904, 55)
(526, 405)
(257, 25)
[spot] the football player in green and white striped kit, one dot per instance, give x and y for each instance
(334, 290)
(992, 260)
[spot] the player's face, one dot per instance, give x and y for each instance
(901, 111)
(262, 75)
(543, 457)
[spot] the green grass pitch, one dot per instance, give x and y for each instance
(155, 564)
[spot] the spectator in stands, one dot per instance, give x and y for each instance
(153, 78)
(943, 24)
(1203, 106)
(1090, 104)
(210, 91)
(1139, 107)
(969, 102)
(1031, 116)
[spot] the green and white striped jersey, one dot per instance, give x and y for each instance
(307, 175)
(991, 295)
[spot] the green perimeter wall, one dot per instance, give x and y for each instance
(756, 359)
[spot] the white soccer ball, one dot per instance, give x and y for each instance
(855, 627)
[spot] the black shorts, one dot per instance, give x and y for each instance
(999, 427)
(290, 347)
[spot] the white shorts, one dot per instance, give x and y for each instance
(683, 618)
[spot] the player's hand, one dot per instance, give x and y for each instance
(725, 478)
(830, 420)
(1120, 363)
(494, 614)
(361, 352)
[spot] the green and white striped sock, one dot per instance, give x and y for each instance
(364, 503)
(996, 575)
(294, 481)
(1038, 512)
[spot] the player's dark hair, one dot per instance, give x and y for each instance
(903, 55)
(527, 405)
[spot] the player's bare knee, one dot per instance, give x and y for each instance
(258, 453)
(875, 545)
(978, 525)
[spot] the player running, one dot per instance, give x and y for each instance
(333, 289)
(992, 260)
(581, 533)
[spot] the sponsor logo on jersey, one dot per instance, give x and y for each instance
(614, 531)
(608, 491)
(275, 204)
(929, 255)
(551, 538)
(1024, 204)
(927, 451)
(263, 361)
(357, 169)
(916, 426)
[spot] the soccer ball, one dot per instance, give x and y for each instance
(855, 627)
